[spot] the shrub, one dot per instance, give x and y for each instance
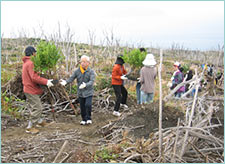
(48, 55)
(103, 81)
(134, 58)
(8, 107)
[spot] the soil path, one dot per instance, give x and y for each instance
(83, 138)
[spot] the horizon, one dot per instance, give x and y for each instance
(192, 25)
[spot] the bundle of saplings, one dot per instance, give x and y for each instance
(134, 58)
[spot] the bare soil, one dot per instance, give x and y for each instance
(18, 146)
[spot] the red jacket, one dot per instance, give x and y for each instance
(30, 78)
(117, 72)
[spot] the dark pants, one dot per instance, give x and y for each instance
(121, 96)
(85, 107)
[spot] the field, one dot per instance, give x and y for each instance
(133, 137)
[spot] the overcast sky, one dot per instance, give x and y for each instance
(195, 25)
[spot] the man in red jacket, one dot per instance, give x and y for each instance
(32, 90)
(118, 75)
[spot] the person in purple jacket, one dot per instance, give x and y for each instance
(176, 79)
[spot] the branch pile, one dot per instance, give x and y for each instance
(191, 141)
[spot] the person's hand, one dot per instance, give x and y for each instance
(82, 86)
(124, 77)
(139, 79)
(63, 82)
(169, 84)
(49, 83)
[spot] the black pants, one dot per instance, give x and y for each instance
(85, 107)
(121, 96)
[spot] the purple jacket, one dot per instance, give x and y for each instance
(178, 78)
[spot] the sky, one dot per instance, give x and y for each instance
(193, 25)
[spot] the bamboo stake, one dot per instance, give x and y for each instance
(160, 104)
(190, 117)
(173, 160)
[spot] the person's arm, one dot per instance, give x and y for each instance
(71, 78)
(124, 71)
(92, 79)
(35, 77)
(142, 77)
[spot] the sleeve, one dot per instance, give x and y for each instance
(35, 77)
(141, 76)
(124, 71)
(92, 79)
(71, 78)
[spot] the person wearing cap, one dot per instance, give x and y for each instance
(118, 77)
(147, 79)
(176, 79)
(32, 91)
(85, 80)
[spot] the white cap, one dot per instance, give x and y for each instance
(176, 64)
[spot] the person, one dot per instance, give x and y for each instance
(147, 79)
(85, 80)
(138, 85)
(176, 79)
(32, 91)
(188, 77)
(118, 77)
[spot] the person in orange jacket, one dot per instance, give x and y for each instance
(32, 91)
(118, 77)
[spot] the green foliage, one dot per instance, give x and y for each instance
(103, 81)
(185, 67)
(7, 105)
(6, 76)
(105, 154)
(48, 55)
(74, 89)
(134, 58)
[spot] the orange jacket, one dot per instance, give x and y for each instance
(31, 79)
(117, 72)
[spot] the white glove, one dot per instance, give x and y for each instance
(49, 83)
(169, 84)
(139, 79)
(63, 82)
(124, 77)
(82, 86)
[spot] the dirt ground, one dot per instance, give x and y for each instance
(18, 146)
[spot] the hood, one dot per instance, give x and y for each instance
(26, 58)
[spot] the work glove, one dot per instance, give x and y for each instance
(63, 82)
(169, 84)
(123, 77)
(139, 79)
(82, 86)
(49, 83)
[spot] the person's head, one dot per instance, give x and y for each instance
(84, 61)
(142, 49)
(119, 59)
(149, 60)
(29, 51)
(176, 65)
